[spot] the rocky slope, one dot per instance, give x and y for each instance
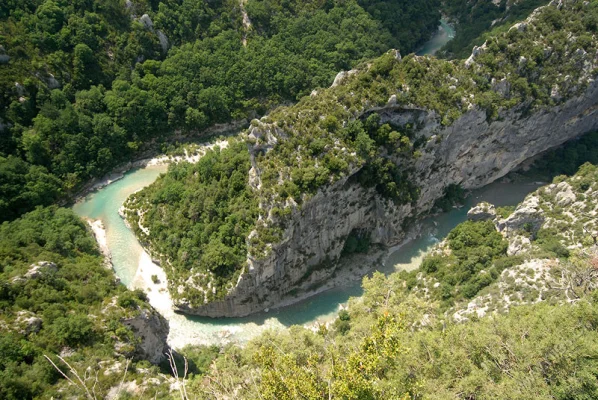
(553, 232)
(468, 123)
(472, 153)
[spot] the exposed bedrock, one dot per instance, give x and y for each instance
(471, 152)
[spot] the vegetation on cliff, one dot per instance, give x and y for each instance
(336, 133)
(397, 342)
(196, 219)
(535, 64)
(86, 85)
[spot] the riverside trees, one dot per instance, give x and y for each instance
(88, 84)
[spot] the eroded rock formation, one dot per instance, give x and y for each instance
(471, 152)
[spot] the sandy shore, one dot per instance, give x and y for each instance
(185, 331)
(157, 291)
(97, 227)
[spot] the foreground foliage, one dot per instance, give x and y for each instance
(541, 351)
(74, 308)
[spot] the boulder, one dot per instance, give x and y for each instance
(482, 212)
(152, 330)
(27, 322)
(565, 195)
(39, 269)
(147, 21)
(341, 76)
(20, 89)
(52, 82)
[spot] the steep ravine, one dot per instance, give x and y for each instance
(471, 152)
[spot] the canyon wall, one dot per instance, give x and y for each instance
(471, 152)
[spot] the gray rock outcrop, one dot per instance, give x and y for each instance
(152, 330)
(147, 22)
(27, 322)
(163, 41)
(565, 195)
(518, 244)
(528, 217)
(472, 152)
(149, 25)
(36, 271)
(482, 212)
(341, 76)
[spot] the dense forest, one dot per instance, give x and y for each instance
(86, 85)
(200, 216)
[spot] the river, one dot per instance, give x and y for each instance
(129, 258)
(445, 33)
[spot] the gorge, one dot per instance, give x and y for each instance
(126, 257)
(479, 123)
(322, 199)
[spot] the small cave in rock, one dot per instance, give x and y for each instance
(358, 241)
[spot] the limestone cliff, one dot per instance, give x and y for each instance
(367, 156)
(471, 152)
(151, 330)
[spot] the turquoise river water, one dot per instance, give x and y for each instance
(445, 33)
(128, 255)
(126, 258)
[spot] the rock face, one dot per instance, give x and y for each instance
(4, 58)
(40, 268)
(472, 152)
(36, 271)
(149, 25)
(152, 329)
(527, 217)
(341, 76)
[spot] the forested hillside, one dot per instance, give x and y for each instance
(505, 307)
(479, 20)
(86, 85)
(396, 341)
